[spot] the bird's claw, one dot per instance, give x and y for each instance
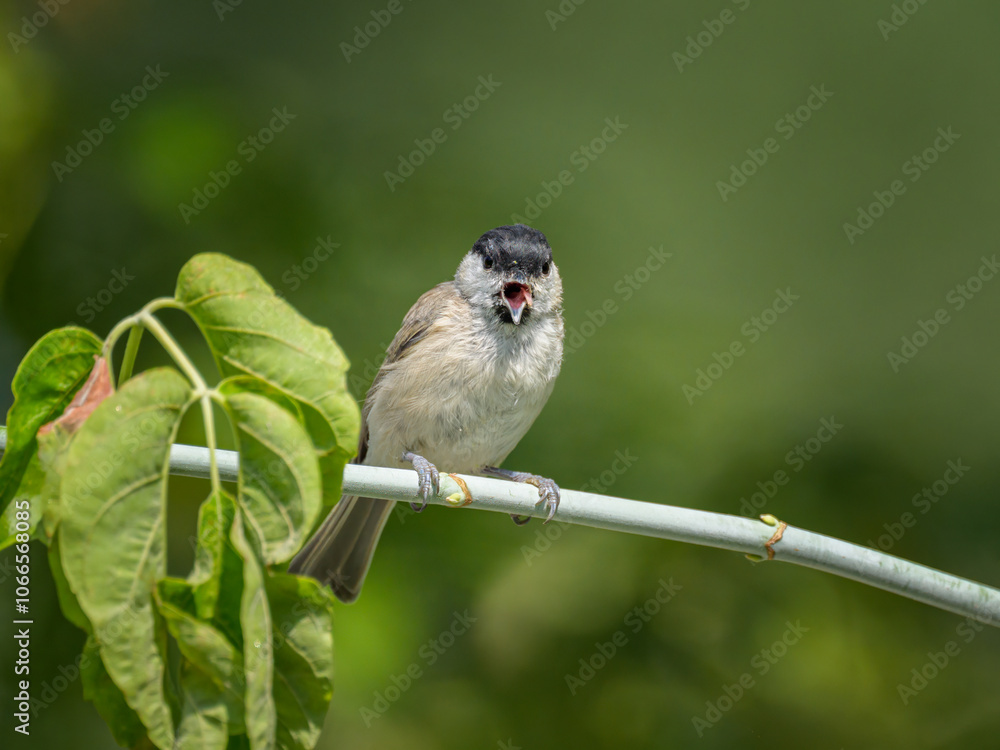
(428, 479)
(548, 493)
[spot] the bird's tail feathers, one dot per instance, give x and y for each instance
(340, 552)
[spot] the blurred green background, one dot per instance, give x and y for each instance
(556, 73)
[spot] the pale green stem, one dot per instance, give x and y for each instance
(213, 465)
(161, 303)
(133, 322)
(131, 348)
(201, 390)
(109, 343)
(174, 350)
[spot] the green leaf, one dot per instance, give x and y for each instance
(204, 722)
(211, 671)
(279, 484)
(100, 689)
(53, 447)
(217, 577)
(49, 375)
(200, 643)
(252, 331)
(302, 616)
(258, 662)
(211, 674)
(287, 653)
(250, 384)
(112, 536)
(22, 516)
(67, 600)
(282, 665)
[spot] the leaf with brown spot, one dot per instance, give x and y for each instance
(97, 388)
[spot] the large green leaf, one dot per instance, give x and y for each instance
(287, 651)
(210, 675)
(302, 617)
(49, 375)
(250, 384)
(217, 578)
(280, 489)
(53, 448)
(202, 614)
(112, 536)
(201, 644)
(258, 662)
(204, 722)
(67, 600)
(252, 331)
(100, 689)
(281, 665)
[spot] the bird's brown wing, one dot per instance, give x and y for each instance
(341, 550)
(416, 325)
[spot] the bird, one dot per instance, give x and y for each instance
(470, 369)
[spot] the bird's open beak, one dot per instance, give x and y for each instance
(516, 297)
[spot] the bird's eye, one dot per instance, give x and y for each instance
(545, 269)
(487, 262)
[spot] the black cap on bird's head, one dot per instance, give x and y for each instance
(515, 247)
(520, 256)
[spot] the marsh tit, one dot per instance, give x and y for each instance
(469, 370)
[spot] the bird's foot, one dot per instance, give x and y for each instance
(548, 491)
(427, 476)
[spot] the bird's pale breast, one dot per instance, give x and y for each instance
(481, 400)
